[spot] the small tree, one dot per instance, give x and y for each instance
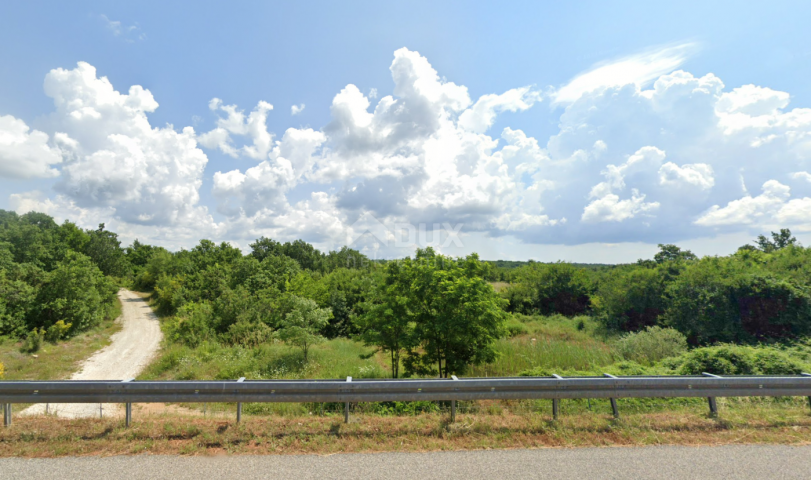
(457, 315)
(387, 323)
(300, 327)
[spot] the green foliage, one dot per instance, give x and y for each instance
(737, 360)
(549, 288)
(651, 345)
(191, 326)
(33, 341)
(456, 314)
(779, 240)
(514, 327)
(57, 331)
(721, 300)
(76, 292)
(105, 251)
(631, 298)
(300, 327)
(248, 334)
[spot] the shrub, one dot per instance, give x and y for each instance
(652, 345)
(248, 334)
(548, 289)
(57, 331)
(515, 327)
(738, 360)
(33, 341)
(191, 325)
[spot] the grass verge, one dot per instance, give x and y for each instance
(740, 423)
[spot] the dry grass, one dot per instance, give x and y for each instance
(177, 434)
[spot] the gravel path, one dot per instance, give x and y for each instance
(670, 463)
(130, 351)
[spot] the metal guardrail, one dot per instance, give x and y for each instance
(377, 390)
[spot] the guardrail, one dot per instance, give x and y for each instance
(382, 390)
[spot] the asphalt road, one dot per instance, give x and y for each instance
(672, 463)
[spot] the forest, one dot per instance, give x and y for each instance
(288, 310)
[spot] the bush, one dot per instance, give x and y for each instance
(737, 360)
(57, 331)
(515, 327)
(651, 345)
(248, 334)
(191, 325)
(548, 289)
(33, 341)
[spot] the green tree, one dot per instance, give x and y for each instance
(388, 323)
(75, 292)
(104, 249)
(672, 253)
(457, 315)
(549, 288)
(300, 327)
(779, 240)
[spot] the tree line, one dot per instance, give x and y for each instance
(431, 314)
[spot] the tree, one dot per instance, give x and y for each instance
(300, 327)
(550, 288)
(387, 322)
(672, 253)
(780, 240)
(457, 315)
(105, 250)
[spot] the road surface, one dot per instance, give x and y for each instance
(671, 463)
(129, 352)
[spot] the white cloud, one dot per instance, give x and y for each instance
(610, 208)
(116, 159)
(235, 123)
(748, 209)
(639, 69)
(698, 175)
(628, 163)
(25, 153)
(481, 115)
(296, 109)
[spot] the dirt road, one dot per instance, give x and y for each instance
(130, 351)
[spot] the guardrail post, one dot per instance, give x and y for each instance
(127, 408)
(556, 401)
(711, 400)
(239, 404)
(346, 405)
(453, 404)
(614, 408)
(6, 414)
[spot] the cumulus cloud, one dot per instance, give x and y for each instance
(25, 153)
(296, 109)
(254, 126)
(115, 163)
(748, 209)
(629, 161)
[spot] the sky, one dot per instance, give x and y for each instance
(585, 131)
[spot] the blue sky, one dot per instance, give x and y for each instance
(613, 170)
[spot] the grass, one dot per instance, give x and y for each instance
(554, 342)
(337, 358)
(61, 360)
(490, 425)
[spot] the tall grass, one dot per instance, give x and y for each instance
(519, 354)
(336, 358)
